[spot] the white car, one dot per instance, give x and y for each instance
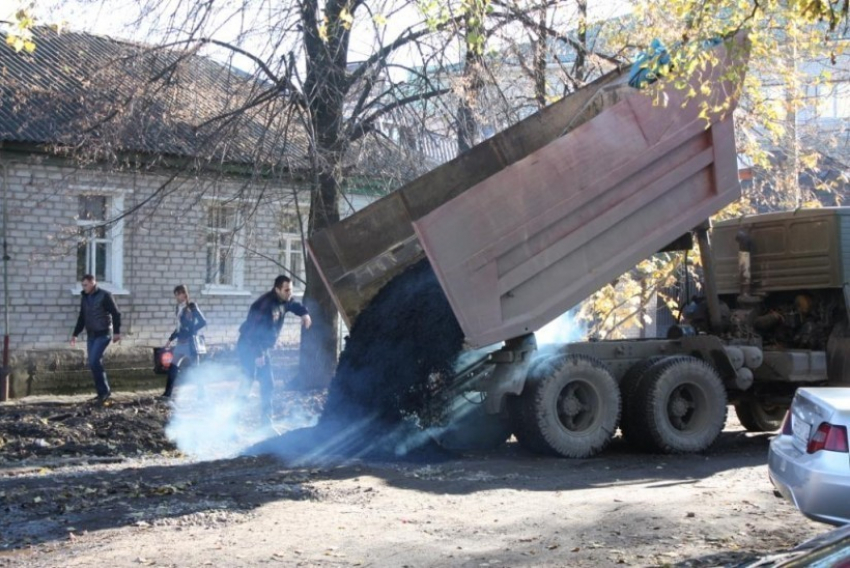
(809, 461)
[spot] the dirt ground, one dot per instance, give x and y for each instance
(88, 486)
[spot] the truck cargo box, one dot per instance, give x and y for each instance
(532, 221)
(361, 253)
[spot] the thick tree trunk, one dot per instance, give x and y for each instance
(318, 352)
(580, 70)
(467, 124)
(325, 88)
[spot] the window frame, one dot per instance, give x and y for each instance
(237, 284)
(290, 242)
(114, 233)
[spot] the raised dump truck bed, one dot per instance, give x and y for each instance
(531, 221)
(361, 253)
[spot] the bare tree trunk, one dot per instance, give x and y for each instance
(318, 351)
(325, 89)
(791, 193)
(540, 63)
(579, 69)
(473, 83)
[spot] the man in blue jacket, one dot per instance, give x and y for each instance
(258, 335)
(102, 321)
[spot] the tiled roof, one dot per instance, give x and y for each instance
(103, 97)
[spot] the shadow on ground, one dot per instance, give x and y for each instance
(44, 500)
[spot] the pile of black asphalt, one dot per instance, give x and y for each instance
(406, 336)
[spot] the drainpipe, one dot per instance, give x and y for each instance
(4, 372)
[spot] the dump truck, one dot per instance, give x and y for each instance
(532, 221)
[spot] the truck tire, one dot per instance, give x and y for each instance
(570, 407)
(680, 406)
(628, 388)
(757, 416)
(521, 414)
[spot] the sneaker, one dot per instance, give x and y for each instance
(105, 400)
(164, 397)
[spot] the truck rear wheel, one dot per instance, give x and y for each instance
(757, 416)
(679, 406)
(570, 407)
(628, 388)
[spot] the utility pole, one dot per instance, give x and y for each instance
(4, 372)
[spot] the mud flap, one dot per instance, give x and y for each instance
(471, 427)
(838, 356)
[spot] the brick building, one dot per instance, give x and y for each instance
(111, 163)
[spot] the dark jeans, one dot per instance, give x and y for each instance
(96, 347)
(248, 361)
(184, 357)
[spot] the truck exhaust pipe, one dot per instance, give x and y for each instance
(709, 277)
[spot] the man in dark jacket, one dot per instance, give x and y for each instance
(100, 317)
(258, 335)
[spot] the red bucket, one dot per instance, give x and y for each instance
(162, 359)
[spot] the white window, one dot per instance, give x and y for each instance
(291, 250)
(100, 245)
(225, 257)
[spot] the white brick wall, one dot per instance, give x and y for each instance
(162, 246)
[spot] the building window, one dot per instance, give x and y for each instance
(291, 250)
(99, 249)
(221, 246)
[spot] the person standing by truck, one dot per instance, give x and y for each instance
(258, 335)
(190, 320)
(100, 317)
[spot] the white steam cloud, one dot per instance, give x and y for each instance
(210, 421)
(563, 329)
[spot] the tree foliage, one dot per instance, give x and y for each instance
(19, 29)
(798, 58)
(799, 51)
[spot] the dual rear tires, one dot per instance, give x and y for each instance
(571, 406)
(678, 405)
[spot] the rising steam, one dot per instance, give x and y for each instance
(210, 421)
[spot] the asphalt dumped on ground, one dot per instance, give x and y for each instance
(399, 348)
(68, 429)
